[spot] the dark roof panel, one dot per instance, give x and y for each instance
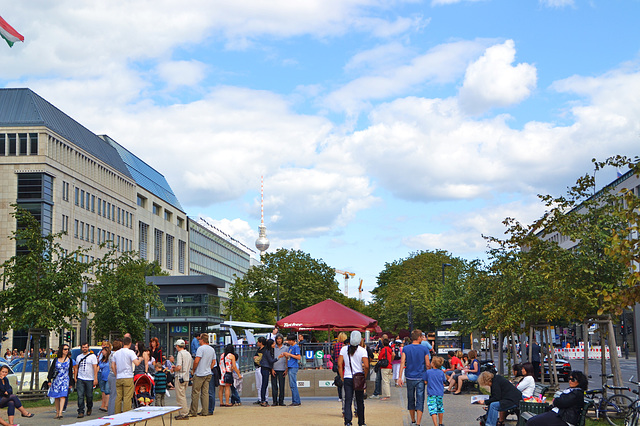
(23, 108)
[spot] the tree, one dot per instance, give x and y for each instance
(412, 288)
(45, 281)
(120, 297)
(300, 280)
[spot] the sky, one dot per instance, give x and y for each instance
(381, 128)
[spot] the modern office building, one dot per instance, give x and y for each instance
(88, 186)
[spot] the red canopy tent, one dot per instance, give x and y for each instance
(329, 315)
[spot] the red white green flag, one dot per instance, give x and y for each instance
(8, 33)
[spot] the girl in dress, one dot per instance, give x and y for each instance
(61, 378)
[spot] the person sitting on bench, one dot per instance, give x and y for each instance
(567, 406)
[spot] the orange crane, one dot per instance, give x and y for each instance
(360, 290)
(346, 276)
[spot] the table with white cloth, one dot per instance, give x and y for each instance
(138, 415)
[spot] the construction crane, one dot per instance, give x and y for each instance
(360, 290)
(346, 276)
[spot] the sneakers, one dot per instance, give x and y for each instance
(181, 417)
(374, 396)
(80, 415)
(294, 404)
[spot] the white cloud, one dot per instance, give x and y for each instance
(557, 3)
(182, 73)
(441, 64)
(445, 2)
(492, 81)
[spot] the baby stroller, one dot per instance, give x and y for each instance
(143, 397)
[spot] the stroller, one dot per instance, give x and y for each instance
(142, 398)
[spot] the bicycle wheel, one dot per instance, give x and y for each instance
(632, 418)
(616, 409)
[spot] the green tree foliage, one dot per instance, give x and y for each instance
(120, 295)
(303, 282)
(414, 285)
(44, 280)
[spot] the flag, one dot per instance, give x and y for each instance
(8, 33)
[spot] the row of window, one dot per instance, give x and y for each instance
(85, 200)
(203, 264)
(163, 247)
(18, 144)
(158, 211)
(204, 243)
(87, 232)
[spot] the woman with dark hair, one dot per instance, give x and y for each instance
(145, 354)
(156, 352)
(567, 406)
(335, 354)
(504, 396)
(61, 378)
(469, 372)
(528, 384)
(266, 364)
(111, 407)
(353, 360)
(387, 372)
(7, 398)
(104, 367)
(227, 365)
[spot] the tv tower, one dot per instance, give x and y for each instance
(262, 243)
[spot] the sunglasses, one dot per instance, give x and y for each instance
(573, 379)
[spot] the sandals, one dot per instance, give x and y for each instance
(29, 415)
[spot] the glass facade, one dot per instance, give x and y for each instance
(188, 305)
(35, 194)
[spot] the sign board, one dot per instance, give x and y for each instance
(304, 384)
(325, 384)
(447, 333)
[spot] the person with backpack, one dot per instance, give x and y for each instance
(384, 365)
(396, 347)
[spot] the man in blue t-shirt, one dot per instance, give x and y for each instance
(293, 356)
(414, 363)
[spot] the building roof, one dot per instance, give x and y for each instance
(25, 108)
(145, 175)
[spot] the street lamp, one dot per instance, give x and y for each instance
(444, 265)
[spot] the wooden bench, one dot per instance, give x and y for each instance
(32, 395)
(526, 415)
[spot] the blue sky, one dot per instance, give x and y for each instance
(380, 127)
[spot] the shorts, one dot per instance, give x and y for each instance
(434, 404)
(104, 387)
(472, 377)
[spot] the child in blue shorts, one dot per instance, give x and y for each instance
(434, 380)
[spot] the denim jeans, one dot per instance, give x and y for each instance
(235, 396)
(266, 372)
(212, 395)
(293, 385)
(277, 387)
(492, 414)
(348, 398)
(377, 390)
(415, 395)
(85, 389)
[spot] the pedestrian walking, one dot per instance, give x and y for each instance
(414, 363)
(103, 377)
(352, 362)
(293, 358)
(266, 364)
(61, 378)
(122, 364)
(386, 354)
(435, 379)
(86, 376)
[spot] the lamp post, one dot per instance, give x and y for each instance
(444, 265)
(278, 299)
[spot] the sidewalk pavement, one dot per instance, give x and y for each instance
(312, 412)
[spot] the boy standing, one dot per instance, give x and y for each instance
(435, 379)
(293, 356)
(160, 379)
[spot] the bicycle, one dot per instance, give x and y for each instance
(614, 409)
(633, 416)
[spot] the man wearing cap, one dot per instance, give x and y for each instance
(181, 371)
(353, 359)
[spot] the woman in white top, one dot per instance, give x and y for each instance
(353, 359)
(527, 384)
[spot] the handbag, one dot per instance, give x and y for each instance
(359, 379)
(257, 358)
(228, 378)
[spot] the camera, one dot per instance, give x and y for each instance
(181, 380)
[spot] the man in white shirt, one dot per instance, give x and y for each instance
(202, 365)
(121, 365)
(181, 370)
(85, 373)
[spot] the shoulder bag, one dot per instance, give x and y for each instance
(359, 379)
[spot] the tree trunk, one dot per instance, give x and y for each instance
(553, 371)
(531, 342)
(500, 355)
(514, 350)
(585, 341)
(615, 362)
(491, 345)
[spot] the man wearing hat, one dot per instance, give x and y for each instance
(181, 371)
(353, 359)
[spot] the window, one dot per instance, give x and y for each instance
(113, 212)
(88, 203)
(182, 248)
(75, 228)
(65, 191)
(142, 201)
(156, 209)
(118, 214)
(12, 144)
(158, 246)
(3, 144)
(93, 204)
(93, 233)
(169, 263)
(99, 207)
(33, 139)
(119, 247)
(82, 230)
(167, 216)
(143, 239)
(23, 143)
(77, 197)
(65, 224)
(104, 208)
(82, 198)
(108, 210)
(180, 223)
(99, 236)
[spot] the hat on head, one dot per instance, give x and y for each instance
(355, 338)
(180, 343)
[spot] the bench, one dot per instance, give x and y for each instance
(526, 415)
(470, 385)
(32, 395)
